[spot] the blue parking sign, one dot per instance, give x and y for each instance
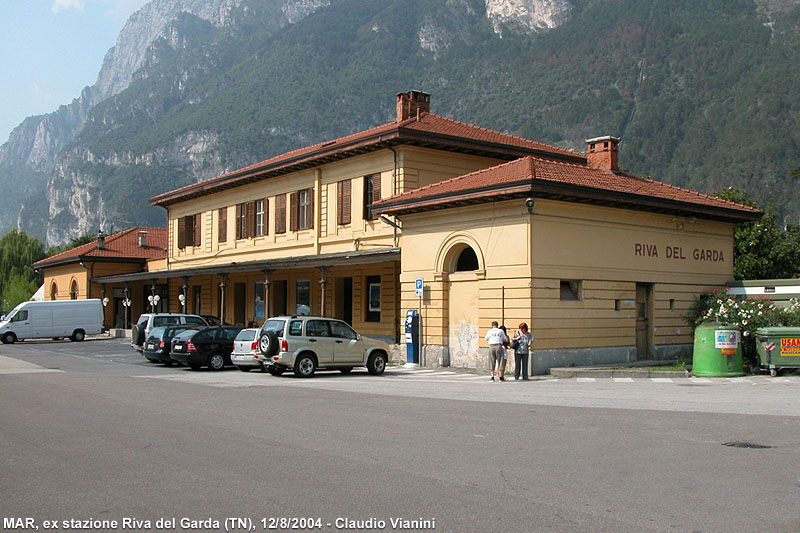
(418, 287)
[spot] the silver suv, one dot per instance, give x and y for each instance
(148, 321)
(305, 343)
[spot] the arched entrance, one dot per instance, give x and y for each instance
(53, 291)
(73, 290)
(462, 262)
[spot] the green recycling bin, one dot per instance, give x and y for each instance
(777, 348)
(717, 350)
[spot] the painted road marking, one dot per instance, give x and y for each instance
(587, 380)
(661, 380)
(623, 380)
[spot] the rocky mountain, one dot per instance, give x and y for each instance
(701, 92)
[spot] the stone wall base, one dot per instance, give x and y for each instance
(542, 361)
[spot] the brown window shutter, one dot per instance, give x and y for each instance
(343, 201)
(238, 221)
(223, 224)
(182, 233)
(376, 187)
(310, 212)
(250, 219)
(266, 216)
(280, 213)
(293, 211)
(197, 227)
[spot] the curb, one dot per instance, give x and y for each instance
(615, 373)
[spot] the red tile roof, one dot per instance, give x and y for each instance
(122, 246)
(427, 130)
(530, 176)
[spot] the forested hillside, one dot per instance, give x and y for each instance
(702, 93)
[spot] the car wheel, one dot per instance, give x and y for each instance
(216, 361)
(376, 363)
(304, 366)
(346, 369)
(244, 368)
(773, 372)
(9, 338)
(268, 344)
(194, 366)
(78, 335)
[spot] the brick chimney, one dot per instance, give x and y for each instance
(101, 240)
(412, 104)
(602, 152)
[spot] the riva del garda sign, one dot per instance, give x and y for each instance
(642, 249)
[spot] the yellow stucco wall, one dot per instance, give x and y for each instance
(524, 258)
(416, 167)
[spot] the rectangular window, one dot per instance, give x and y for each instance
(373, 296)
(302, 210)
(280, 213)
(189, 231)
(302, 298)
(570, 290)
(258, 300)
(259, 222)
(222, 233)
(343, 202)
(241, 217)
(372, 193)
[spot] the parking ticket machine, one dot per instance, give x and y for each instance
(412, 336)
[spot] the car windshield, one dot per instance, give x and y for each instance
(246, 335)
(183, 335)
(173, 331)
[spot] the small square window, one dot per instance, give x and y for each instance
(570, 290)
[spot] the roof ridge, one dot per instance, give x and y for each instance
(696, 193)
(511, 135)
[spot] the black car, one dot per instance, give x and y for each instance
(209, 347)
(157, 345)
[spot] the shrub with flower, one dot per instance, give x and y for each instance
(749, 314)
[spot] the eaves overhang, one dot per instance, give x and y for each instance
(86, 259)
(322, 260)
(547, 189)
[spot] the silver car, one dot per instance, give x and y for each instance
(245, 353)
(305, 343)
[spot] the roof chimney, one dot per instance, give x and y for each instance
(142, 238)
(101, 240)
(412, 104)
(602, 152)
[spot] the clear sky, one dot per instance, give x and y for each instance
(50, 50)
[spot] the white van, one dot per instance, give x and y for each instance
(53, 319)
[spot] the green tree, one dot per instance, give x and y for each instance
(17, 289)
(762, 249)
(18, 252)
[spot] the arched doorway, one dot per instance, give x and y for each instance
(53, 291)
(462, 261)
(73, 290)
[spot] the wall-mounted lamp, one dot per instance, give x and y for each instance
(529, 205)
(181, 298)
(392, 223)
(105, 301)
